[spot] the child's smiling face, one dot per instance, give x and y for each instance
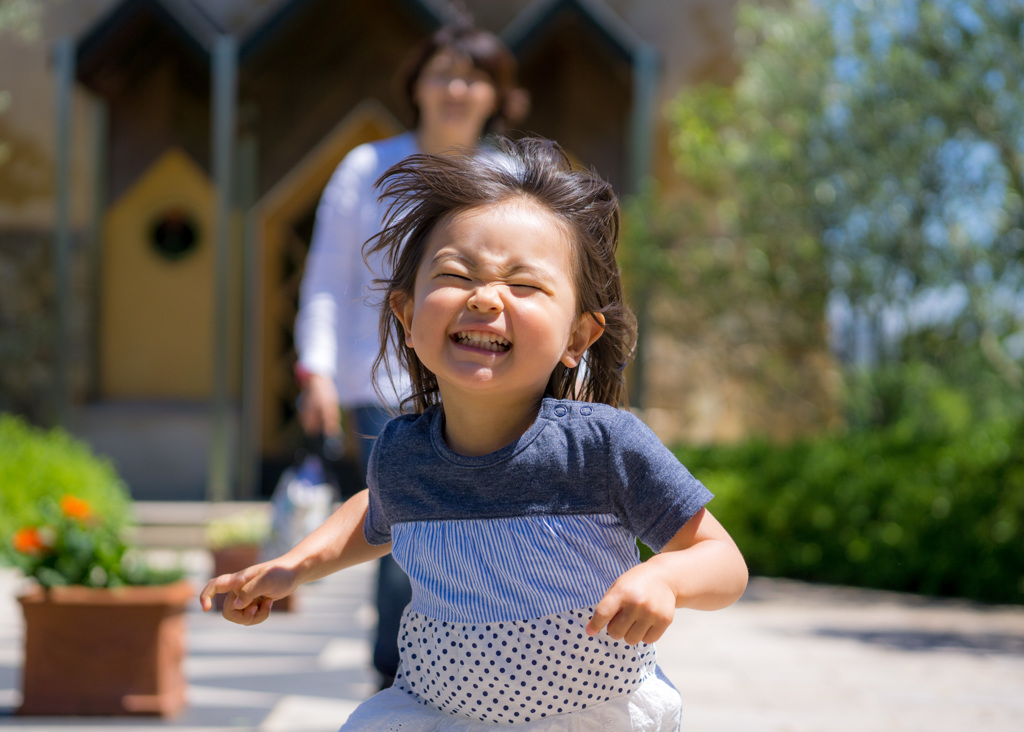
(494, 308)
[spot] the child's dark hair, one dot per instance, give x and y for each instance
(424, 190)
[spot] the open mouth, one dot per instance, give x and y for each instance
(484, 341)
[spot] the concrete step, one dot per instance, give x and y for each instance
(182, 524)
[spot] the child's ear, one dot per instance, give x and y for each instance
(589, 327)
(402, 307)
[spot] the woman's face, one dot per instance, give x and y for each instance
(455, 98)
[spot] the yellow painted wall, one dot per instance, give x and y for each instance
(156, 332)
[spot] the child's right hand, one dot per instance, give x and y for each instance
(250, 593)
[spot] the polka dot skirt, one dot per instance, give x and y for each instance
(513, 672)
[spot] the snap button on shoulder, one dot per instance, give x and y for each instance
(561, 410)
(586, 411)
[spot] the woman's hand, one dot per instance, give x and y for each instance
(319, 413)
(251, 592)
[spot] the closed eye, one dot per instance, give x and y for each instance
(454, 276)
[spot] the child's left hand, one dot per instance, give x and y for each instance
(638, 608)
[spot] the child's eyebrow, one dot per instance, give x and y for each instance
(523, 270)
(444, 257)
(513, 270)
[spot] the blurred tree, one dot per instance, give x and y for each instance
(873, 152)
(754, 236)
(746, 261)
(21, 18)
(24, 168)
(921, 177)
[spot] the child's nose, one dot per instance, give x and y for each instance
(485, 297)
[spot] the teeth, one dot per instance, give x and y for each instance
(486, 341)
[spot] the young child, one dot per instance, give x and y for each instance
(514, 496)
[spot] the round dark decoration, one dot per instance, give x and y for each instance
(174, 234)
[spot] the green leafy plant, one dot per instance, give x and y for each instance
(926, 510)
(244, 528)
(64, 512)
(37, 464)
(853, 158)
(74, 546)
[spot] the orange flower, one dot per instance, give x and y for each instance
(75, 508)
(29, 541)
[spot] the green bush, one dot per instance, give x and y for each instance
(937, 512)
(36, 465)
(64, 511)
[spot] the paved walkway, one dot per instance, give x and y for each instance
(789, 657)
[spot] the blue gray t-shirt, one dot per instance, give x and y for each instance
(543, 525)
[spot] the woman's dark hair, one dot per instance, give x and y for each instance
(424, 190)
(487, 53)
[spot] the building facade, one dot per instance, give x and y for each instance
(165, 158)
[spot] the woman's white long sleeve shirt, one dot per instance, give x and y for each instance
(337, 327)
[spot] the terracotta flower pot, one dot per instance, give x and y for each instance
(235, 558)
(105, 652)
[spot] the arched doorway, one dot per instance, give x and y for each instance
(285, 218)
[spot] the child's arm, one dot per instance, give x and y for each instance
(701, 568)
(338, 543)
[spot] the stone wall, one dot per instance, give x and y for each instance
(28, 324)
(720, 381)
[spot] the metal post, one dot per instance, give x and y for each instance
(225, 59)
(64, 63)
(640, 146)
(100, 176)
(641, 117)
(249, 429)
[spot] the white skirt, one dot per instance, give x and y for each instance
(653, 707)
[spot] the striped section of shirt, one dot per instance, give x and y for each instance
(492, 570)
